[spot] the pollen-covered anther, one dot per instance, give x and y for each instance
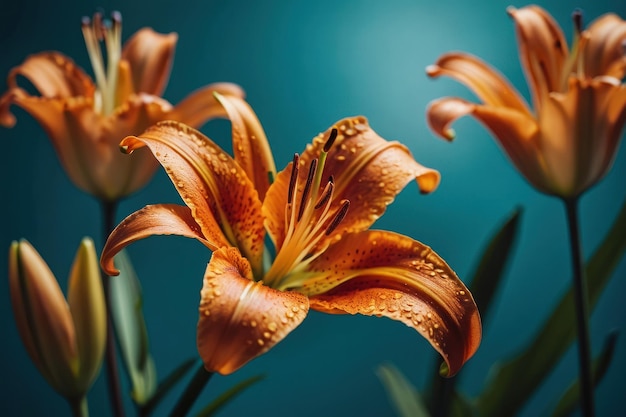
(307, 188)
(339, 216)
(326, 194)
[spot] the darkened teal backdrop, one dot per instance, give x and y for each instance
(304, 65)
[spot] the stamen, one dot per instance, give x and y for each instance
(294, 177)
(577, 18)
(339, 216)
(328, 191)
(307, 188)
(330, 140)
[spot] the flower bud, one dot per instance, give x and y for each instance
(65, 340)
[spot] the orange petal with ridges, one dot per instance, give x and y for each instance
(250, 146)
(161, 219)
(542, 50)
(604, 50)
(386, 274)
(241, 319)
(150, 55)
(487, 83)
(211, 184)
(201, 105)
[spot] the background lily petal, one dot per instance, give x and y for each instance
(241, 319)
(487, 83)
(150, 55)
(201, 105)
(386, 274)
(542, 50)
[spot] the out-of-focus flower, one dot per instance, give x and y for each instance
(86, 121)
(65, 339)
(568, 141)
(317, 212)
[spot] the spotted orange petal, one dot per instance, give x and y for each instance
(211, 184)
(150, 55)
(250, 146)
(368, 170)
(386, 274)
(241, 319)
(159, 219)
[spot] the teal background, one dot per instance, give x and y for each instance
(304, 65)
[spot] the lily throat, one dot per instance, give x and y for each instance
(311, 214)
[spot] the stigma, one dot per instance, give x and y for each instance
(311, 215)
(109, 32)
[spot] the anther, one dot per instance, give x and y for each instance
(339, 216)
(328, 191)
(294, 177)
(116, 17)
(307, 188)
(85, 21)
(330, 140)
(577, 18)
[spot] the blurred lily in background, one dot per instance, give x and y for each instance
(568, 140)
(317, 213)
(86, 121)
(65, 339)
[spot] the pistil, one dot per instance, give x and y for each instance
(96, 31)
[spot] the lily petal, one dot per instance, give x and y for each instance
(211, 184)
(161, 219)
(604, 50)
(241, 319)
(150, 55)
(201, 105)
(542, 49)
(54, 75)
(250, 146)
(487, 83)
(516, 132)
(368, 170)
(386, 274)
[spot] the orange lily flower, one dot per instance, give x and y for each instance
(86, 121)
(569, 141)
(317, 213)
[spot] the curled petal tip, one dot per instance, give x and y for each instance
(511, 10)
(433, 70)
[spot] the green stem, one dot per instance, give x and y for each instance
(79, 407)
(581, 304)
(113, 374)
(197, 383)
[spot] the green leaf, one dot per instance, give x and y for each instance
(166, 385)
(571, 399)
(490, 270)
(483, 286)
(227, 396)
(515, 380)
(130, 326)
(403, 396)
